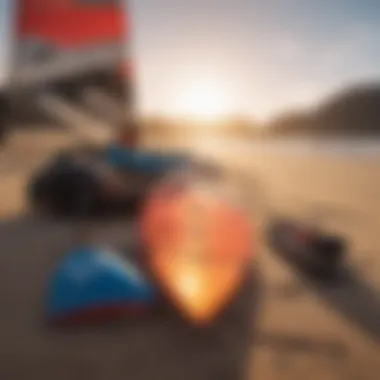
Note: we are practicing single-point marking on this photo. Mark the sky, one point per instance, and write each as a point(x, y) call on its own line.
point(250, 57)
point(266, 56)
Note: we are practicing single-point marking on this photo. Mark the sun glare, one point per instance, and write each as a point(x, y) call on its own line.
point(204, 101)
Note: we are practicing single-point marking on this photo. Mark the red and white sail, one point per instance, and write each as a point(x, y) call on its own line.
point(60, 39)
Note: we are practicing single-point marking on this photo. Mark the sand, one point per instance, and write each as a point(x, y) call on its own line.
point(302, 332)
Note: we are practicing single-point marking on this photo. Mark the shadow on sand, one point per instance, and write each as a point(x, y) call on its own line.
point(354, 299)
point(350, 295)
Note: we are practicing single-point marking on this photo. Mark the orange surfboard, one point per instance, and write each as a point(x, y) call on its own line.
point(197, 245)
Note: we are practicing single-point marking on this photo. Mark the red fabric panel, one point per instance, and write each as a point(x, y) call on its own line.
point(70, 25)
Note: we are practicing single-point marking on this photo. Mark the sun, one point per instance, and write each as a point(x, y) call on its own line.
point(204, 101)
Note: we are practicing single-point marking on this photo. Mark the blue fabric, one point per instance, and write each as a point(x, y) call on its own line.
point(150, 163)
point(89, 277)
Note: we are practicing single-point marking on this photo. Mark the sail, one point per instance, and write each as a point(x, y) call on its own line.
point(65, 39)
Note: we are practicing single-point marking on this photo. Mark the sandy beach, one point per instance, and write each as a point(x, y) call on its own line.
point(302, 332)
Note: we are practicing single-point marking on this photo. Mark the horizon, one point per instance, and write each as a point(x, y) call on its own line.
point(241, 118)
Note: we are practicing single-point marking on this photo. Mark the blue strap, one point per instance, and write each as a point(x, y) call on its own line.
point(129, 159)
